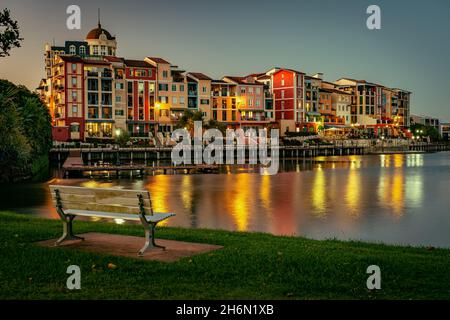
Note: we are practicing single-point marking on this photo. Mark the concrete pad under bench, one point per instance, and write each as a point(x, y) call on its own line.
point(128, 246)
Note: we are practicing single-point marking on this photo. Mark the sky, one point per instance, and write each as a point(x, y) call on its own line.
point(239, 37)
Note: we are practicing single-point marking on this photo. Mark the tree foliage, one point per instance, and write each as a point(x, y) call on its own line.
point(25, 130)
point(421, 130)
point(9, 33)
point(188, 118)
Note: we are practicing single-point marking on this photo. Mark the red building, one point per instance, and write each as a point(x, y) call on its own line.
point(288, 94)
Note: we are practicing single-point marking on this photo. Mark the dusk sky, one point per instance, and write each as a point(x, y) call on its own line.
point(238, 37)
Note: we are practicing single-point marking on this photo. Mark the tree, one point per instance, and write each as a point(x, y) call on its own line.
point(9, 33)
point(25, 133)
point(421, 130)
point(122, 137)
point(188, 118)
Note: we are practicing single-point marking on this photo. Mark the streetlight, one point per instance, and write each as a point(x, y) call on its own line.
point(118, 132)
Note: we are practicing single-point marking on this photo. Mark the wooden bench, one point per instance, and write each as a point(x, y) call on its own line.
point(134, 205)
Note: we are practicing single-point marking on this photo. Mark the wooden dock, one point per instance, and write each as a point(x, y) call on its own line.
point(75, 165)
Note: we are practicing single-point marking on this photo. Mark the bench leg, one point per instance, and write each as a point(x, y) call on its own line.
point(67, 231)
point(150, 240)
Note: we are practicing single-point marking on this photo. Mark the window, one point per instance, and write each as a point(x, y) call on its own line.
point(118, 99)
point(163, 99)
point(74, 95)
point(74, 67)
point(181, 100)
point(204, 89)
point(258, 103)
point(282, 94)
point(74, 109)
point(140, 73)
point(93, 98)
point(258, 90)
point(250, 90)
point(72, 49)
point(82, 50)
point(242, 90)
point(204, 101)
point(107, 113)
point(74, 127)
point(106, 99)
point(119, 112)
point(224, 115)
point(174, 100)
point(95, 50)
point(174, 87)
point(103, 50)
point(165, 74)
point(181, 87)
point(163, 87)
point(119, 85)
point(74, 81)
point(250, 102)
point(282, 82)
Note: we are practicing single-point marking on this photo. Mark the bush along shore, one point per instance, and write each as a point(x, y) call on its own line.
point(249, 266)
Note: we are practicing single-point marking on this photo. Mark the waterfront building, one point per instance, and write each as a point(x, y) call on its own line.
point(199, 91)
point(445, 130)
point(247, 104)
point(288, 88)
point(94, 94)
point(426, 121)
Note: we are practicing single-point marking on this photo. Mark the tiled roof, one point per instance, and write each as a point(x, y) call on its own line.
point(114, 59)
point(71, 59)
point(158, 60)
point(199, 76)
point(137, 63)
point(93, 61)
point(240, 80)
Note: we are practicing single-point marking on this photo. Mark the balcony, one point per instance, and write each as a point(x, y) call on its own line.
point(92, 74)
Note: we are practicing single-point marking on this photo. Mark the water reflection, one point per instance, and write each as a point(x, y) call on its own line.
point(382, 198)
point(319, 193)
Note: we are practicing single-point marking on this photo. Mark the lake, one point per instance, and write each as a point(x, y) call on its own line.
point(395, 199)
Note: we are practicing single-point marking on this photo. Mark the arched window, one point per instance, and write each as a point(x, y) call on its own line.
point(82, 50)
point(72, 49)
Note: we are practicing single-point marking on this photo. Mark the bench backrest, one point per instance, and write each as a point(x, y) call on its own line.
point(100, 199)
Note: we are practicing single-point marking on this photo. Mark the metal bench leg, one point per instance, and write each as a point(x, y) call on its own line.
point(150, 240)
point(67, 231)
point(149, 228)
point(67, 222)
point(153, 238)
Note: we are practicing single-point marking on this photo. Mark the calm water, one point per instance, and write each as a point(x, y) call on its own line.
point(403, 199)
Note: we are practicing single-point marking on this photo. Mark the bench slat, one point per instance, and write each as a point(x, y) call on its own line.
point(156, 217)
point(96, 198)
point(107, 192)
point(68, 205)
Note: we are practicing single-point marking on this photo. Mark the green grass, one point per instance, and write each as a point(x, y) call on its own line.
point(250, 266)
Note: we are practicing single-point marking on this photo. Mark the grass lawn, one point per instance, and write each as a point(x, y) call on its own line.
point(250, 266)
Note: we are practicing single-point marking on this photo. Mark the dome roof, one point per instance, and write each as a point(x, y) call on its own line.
point(95, 33)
